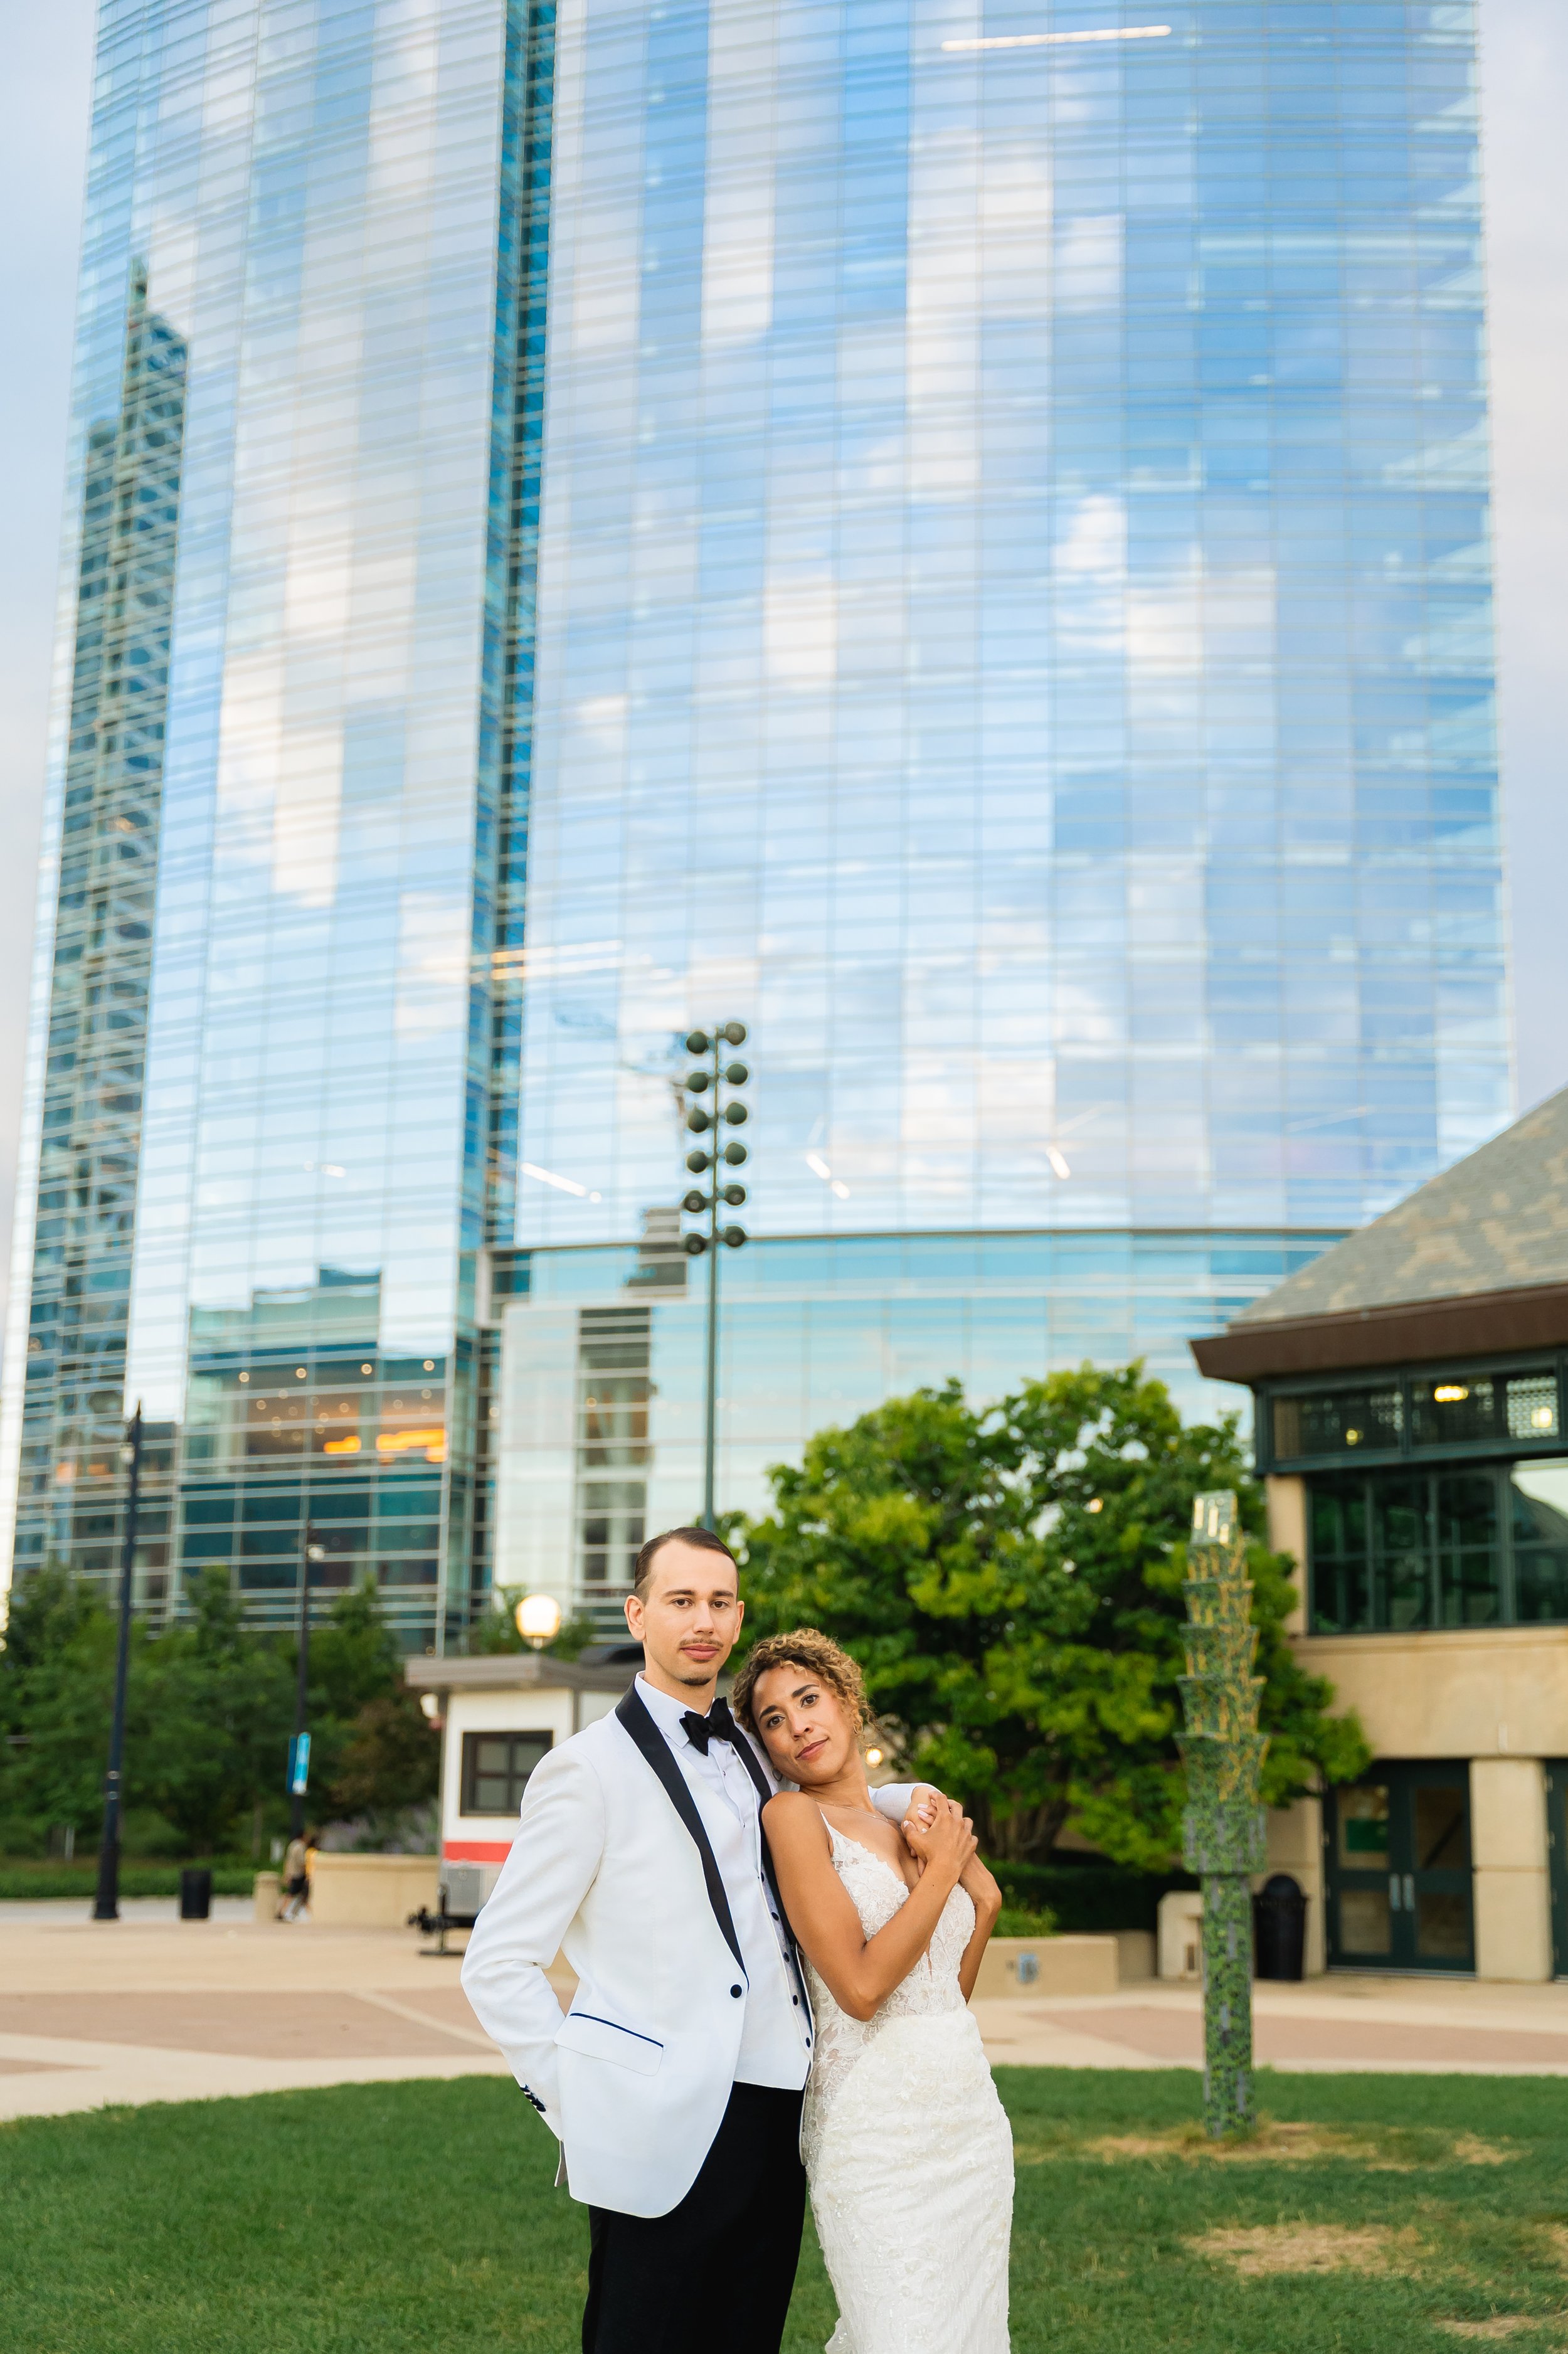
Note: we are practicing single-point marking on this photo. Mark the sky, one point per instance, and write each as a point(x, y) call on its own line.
point(49, 57)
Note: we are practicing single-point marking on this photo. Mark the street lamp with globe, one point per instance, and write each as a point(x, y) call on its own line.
point(538, 1619)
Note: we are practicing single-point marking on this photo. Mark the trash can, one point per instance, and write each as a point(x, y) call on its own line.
point(196, 1895)
point(1280, 1927)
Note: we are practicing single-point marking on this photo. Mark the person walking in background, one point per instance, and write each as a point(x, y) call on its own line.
point(296, 1878)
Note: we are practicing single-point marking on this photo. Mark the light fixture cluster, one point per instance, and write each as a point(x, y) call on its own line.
point(713, 1103)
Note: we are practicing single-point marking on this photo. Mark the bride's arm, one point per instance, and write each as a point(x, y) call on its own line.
point(987, 1900)
point(860, 1972)
point(983, 1894)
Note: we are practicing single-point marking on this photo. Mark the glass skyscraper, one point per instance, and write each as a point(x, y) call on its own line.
point(956, 538)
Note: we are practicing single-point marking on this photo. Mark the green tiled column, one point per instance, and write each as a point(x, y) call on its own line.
point(1222, 1826)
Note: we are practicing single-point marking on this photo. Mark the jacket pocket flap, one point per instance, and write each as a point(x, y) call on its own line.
point(601, 2039)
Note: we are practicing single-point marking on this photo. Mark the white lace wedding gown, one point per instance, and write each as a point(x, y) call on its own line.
point(907, 2150)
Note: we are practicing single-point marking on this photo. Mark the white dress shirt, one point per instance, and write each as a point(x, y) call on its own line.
point(776, 2043)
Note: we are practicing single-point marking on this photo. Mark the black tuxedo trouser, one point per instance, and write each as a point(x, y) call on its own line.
point(713, 2276)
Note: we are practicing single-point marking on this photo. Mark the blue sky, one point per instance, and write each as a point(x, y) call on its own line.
point(1525, 74)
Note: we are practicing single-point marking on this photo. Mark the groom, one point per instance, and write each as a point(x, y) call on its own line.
point(673, 2082)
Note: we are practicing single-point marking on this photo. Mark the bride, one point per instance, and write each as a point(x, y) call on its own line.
point(901, 2116)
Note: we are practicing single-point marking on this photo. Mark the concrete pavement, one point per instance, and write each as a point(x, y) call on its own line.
point(154, 2009)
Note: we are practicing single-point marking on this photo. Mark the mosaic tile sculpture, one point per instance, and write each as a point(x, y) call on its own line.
point(1222, 1826)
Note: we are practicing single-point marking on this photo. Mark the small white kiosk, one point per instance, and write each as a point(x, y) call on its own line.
point(499, 1713)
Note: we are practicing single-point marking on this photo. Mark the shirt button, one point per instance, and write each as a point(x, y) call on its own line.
point(736, 1991)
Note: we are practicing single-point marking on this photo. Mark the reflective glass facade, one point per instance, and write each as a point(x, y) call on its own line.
point(1013, 612)
point(322, 202)
point(957, 539)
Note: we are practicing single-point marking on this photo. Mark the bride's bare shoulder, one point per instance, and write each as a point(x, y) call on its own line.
point(795, 1822)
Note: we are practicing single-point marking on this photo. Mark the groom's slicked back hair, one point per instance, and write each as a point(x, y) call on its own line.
point(703, 1539)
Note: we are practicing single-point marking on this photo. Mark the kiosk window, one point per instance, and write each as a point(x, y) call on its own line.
point(495, 1769)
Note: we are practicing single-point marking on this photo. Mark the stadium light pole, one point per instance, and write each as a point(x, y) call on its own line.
point(106, 1904)
point(714, 1076)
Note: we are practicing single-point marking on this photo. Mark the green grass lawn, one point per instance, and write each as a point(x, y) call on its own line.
point(418, 2219)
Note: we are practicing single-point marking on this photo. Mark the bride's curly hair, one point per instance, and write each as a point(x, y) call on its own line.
point(807, 1648)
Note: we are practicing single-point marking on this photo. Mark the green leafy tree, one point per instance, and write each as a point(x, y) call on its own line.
point(376, 1753)
point(1009, 1580)
point(209, 1715)
point(57, 1683)
point(217, 1702)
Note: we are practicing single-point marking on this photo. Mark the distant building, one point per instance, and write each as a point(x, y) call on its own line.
point(1411, 1427)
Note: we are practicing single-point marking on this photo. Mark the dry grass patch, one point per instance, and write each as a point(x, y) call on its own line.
point(1309, 2248)
point(1378, 2149)
point(1469, 2149)
point(1496, 2325)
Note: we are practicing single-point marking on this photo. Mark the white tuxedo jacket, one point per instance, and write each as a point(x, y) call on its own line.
point(611, 1866)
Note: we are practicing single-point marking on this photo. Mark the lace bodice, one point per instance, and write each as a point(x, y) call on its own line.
point(932, 1985)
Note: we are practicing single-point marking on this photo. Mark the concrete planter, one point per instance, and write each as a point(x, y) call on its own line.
point(1049, 1965)
point(370, 1892)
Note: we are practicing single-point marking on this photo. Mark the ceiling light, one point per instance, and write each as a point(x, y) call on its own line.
point(548, 1177)
point(1055, 40)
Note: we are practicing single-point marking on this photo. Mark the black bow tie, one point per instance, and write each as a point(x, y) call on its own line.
point(717, 1725)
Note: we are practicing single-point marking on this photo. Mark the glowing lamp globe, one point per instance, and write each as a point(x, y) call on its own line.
point(538, 1619)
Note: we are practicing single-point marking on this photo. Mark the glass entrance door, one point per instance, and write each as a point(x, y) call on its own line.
point(1398, 1869)
point(1557, 1862)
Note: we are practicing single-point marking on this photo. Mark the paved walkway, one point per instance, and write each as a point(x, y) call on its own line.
point(150, 2007)
point(1415, 2026)
point(154, 2008)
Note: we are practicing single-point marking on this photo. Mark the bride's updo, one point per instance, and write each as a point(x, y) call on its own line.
point(805, 1647)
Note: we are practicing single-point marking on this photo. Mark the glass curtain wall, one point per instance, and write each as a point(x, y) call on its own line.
point(1013, 604)
point(322, 201)
point(957, 537)
point(71, 1380)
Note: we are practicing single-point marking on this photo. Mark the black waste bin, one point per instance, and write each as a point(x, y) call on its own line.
point(1280, 1927)
point(196, 1895)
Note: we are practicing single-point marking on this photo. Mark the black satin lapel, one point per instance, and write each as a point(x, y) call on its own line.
point(655, 1749)
point(765, 1791)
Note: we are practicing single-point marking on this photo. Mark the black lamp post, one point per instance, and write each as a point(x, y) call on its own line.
point(713, 1075)
point(298, 1755)
point(106, 1905)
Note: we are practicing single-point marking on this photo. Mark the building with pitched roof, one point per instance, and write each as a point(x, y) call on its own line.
point(1409, 1394)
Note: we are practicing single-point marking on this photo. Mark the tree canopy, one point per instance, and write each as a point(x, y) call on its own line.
point(1009, 1578)
point(210, 1712)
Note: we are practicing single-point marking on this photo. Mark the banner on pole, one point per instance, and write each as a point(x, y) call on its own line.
point(298, 1764)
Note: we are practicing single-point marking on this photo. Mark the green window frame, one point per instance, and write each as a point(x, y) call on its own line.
point(1415, 1415)
point(1406, 1549)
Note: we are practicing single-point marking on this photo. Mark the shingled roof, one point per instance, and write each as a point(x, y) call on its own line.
point(1475, 1259)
